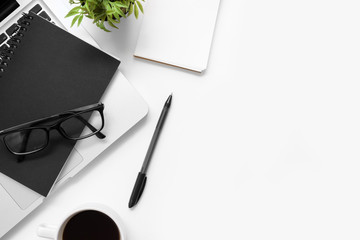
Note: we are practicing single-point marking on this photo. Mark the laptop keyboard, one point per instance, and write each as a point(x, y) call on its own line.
point(5, 37)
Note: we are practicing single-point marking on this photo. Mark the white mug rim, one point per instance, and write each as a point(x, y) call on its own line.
point(91, 206)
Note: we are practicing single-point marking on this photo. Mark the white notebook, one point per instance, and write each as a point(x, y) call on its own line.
point(178, 33)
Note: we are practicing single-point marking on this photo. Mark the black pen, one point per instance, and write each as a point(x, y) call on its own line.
point(141, 178)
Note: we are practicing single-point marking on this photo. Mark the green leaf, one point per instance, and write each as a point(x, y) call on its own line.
point(102, 26)
point(121, 5)
point(74, 20)
point(97, 18)
point(111, 23)
point(131, 9)
point(87, 6)
point(76, 8)
point(91, 15)
point(73, 11)
point(80, 19)
point(119, 11)
point(136, 12)
point(117, 17)
point(140, 6)
point(71, 14)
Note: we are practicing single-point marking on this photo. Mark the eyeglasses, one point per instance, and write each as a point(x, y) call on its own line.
point(77, 124)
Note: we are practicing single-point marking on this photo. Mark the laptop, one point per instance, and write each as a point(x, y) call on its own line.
point(124, 107)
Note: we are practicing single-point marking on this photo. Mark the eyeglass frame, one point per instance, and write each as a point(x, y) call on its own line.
point(57, 126)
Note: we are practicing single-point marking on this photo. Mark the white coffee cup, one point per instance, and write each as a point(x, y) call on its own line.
point(56, 232)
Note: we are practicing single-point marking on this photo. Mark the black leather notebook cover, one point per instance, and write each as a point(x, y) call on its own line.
point(51, 71)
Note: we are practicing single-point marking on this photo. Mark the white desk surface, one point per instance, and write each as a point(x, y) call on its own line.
point(264, 145)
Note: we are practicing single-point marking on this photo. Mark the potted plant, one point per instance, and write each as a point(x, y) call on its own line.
point(101, 11)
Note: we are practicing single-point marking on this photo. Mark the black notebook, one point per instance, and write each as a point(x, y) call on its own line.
point(49, 71)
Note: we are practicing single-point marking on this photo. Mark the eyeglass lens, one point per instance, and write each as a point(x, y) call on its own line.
point(26, 141)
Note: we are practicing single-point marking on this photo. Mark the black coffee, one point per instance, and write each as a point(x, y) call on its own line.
point(91, 225)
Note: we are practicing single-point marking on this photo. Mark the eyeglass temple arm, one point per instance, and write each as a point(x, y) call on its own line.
point(91, 127)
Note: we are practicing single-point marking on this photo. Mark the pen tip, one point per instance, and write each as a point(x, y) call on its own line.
point(168, 101)
point(132, 202)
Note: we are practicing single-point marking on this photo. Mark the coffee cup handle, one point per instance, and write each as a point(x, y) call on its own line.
point(47, 231)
